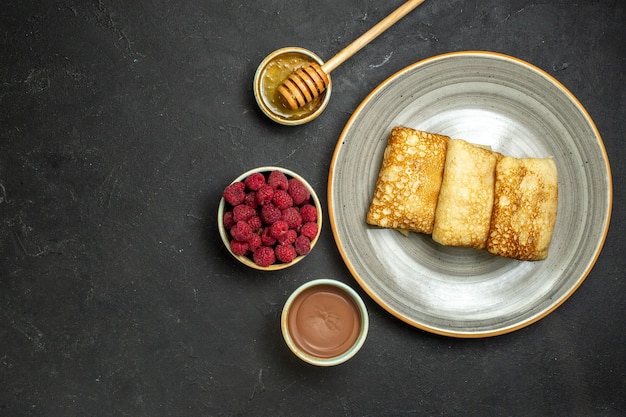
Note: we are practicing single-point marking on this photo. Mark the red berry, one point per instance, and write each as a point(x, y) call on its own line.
point(302, 245)
point(298, 192)
point(228, 220)
point(292, 217)
point(241, 231)
point(278, 229)
point(309, 230)
point(308, 213)
point(282, 199)
point(243, 213)
point(278, 180)
point(255, 223)
point(254, 181)
point(266, 238)
point(288, 238)
point(239, 248)
point(285, 253)
point(234, 194)
point(264, 256)
point(264, 195)
point(255, 242)
point(270, 214)
point(250, 200)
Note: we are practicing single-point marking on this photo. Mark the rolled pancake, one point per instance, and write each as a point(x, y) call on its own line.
point(525, 206)
point(466, 198)
point(407, 188)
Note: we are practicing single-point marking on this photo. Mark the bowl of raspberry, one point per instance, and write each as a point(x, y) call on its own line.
point(269, 218)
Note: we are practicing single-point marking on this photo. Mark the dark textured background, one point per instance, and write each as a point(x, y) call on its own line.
point(121, 122)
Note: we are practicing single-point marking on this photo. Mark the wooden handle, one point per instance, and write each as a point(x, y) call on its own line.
point(370, 35)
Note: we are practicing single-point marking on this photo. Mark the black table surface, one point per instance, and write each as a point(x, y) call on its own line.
point(120, 124)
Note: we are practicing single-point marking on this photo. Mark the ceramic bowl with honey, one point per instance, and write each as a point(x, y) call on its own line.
point(271, 73)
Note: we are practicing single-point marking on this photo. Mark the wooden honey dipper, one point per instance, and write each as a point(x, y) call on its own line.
point(307, 83)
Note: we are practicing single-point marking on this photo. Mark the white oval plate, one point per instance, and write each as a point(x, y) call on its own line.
point(518, 110)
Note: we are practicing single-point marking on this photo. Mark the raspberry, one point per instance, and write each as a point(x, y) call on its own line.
point(255, 223)
point(309, 229)
point(264, 256)
point(228, 220)
point(292, 217)
point(288, 238)
point(242, 213)
point(302, 245)
point(298, 192)
point(308, 213)
point(239, 248)
point(254, 181)
point(264, 195)
point(278, 229)
point(282, 199)
point(270, 214)
point(241, 231)
point(278, 180)
point(285, 253)
point(234, 194)
point(266, 238)
point(250, 200)
point(254, 243)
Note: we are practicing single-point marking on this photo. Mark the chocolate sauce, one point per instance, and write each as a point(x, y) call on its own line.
point(324, 321)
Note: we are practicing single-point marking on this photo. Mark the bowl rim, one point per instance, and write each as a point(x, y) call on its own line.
point(336, 360)
point(245, 259)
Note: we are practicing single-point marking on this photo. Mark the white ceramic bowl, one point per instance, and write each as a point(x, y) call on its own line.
point(267, 79)
point(294, 312)
point(224, 207)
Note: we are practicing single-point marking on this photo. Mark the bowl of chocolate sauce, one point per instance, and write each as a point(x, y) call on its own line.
point(324, 322)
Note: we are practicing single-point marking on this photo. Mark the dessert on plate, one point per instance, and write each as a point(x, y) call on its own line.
point(464, 194)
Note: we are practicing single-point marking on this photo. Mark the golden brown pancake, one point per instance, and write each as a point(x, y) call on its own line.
point(524, 210)
point(407, 188)
point(465, 195)
point(466, 198)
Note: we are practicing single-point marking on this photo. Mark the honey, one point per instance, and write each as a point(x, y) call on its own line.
point(274, 73)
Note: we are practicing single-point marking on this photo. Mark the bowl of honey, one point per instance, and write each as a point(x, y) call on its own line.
point(271, 73)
